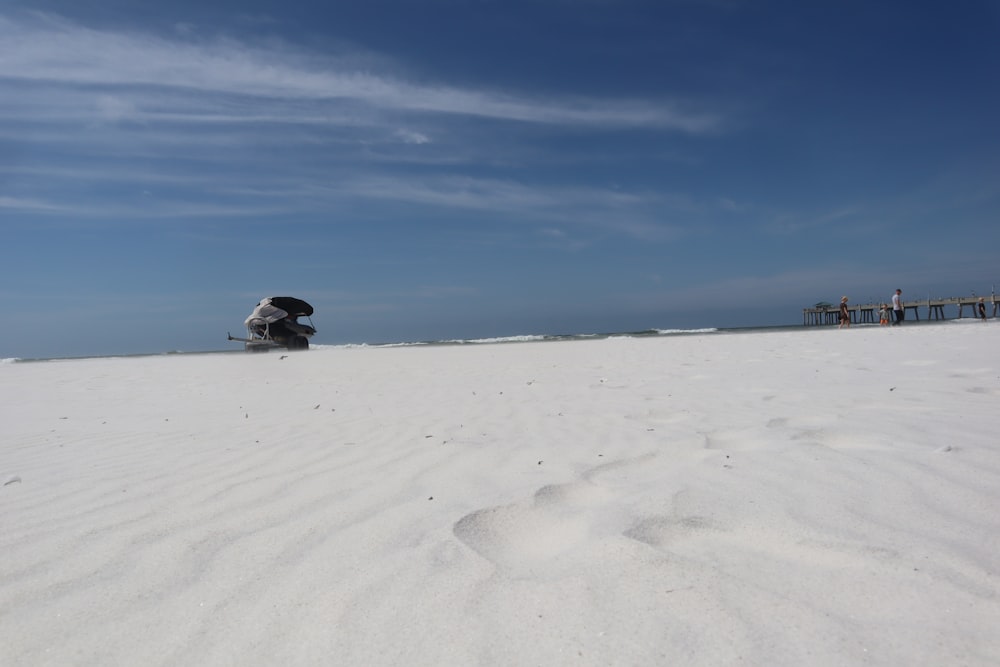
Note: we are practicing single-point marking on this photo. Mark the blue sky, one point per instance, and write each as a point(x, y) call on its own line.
point(459, 169)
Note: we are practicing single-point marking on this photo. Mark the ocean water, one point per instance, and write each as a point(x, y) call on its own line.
point(529, 338)
point(646, 333)
point(536, 338)
point(500, 340)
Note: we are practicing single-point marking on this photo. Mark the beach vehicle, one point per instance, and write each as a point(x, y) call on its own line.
point(274, 322)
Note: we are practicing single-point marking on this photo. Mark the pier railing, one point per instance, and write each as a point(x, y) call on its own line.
point(868, 313)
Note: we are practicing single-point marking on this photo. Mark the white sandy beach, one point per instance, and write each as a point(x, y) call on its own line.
point(795, 498)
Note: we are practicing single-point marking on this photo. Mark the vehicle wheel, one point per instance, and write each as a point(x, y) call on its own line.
point(298, 343)
point(256, 348)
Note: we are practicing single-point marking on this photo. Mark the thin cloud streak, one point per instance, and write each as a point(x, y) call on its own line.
point(30, 205)
point(155, 210)
point(489, 194)
point(51, 50)
point(646, 216)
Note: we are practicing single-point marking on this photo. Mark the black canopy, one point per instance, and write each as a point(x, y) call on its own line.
point(292, 306)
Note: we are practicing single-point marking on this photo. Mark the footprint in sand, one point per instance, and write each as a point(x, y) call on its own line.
point(558, 518)
point(514, 535)
point(659, 531)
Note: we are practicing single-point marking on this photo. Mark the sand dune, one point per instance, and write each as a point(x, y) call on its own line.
point(815, 497)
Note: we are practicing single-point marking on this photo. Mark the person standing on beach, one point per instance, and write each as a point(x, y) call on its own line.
point(981, 307)
point(845, 315)
point(897, 307)
point(883, 315)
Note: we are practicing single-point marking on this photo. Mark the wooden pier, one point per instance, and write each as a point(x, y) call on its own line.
point(868, 313)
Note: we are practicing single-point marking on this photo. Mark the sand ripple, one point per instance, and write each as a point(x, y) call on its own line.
point(820, 498)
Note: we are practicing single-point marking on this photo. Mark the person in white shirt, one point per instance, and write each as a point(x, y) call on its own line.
point(897, 307)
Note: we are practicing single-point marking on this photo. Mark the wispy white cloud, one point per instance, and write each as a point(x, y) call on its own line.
point(179, 117)
point(805, 222)
point(411, 137)
point(50, 50)
point(488, 194)
point(642, 215)
point(153, 209)
point(32, 205)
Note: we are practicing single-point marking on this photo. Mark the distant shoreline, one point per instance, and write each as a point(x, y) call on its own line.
point(505, 340)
